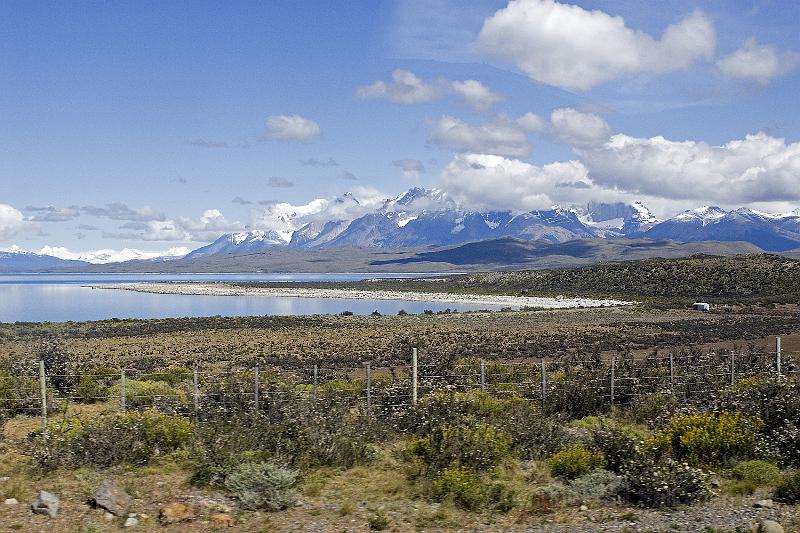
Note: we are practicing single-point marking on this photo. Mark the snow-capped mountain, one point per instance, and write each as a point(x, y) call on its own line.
point(16, 260)
point(773, 232)
point(429, 217)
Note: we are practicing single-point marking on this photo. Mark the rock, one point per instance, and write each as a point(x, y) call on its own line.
point(770, 526)
point(764, 504)
point(223, 519)
point(584, 508)
point(131, 521)
point(175, 512)
point(108, 517)
point(112, 498)
point(4, 478)
point(46, 503)
point(11, 501)
point(214, 506)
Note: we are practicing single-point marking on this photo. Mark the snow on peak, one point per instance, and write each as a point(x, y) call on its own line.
point(108, 255)
point(706, 215)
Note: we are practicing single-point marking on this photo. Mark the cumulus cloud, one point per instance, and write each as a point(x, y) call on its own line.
point(12, 221)
point(570, 47)
point(578, 129)
point(292, 128)
point(210, 225)
point(411, 168)
point(758, 168)
point(404, 88)
point(278, 182)
point(475, 94)
point(531, 122)
point(492, 182)
point(52, 214)
point(120, 211)
point(501, 136)
point(407, 88)
point(758, 62)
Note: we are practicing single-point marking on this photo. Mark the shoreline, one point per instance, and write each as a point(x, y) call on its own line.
point(221, 289)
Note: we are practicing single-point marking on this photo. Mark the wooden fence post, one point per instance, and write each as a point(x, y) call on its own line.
point(122, 391)
point(543, 382)
point(196, 388)
point(256, 388)
point(368, 370)
point(733, 369)
point(613, 369)
point(316, 382)
point(778, 355)
point(671, 373)
point(43, 393)
point(483, 375)
point(414, 376)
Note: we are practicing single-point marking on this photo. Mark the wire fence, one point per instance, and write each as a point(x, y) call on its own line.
point(688, 377)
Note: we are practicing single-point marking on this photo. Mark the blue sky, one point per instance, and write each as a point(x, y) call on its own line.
point(137, 124)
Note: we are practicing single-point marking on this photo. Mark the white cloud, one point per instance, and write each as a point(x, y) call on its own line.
point(502, 136)
point(567, 46)
point(531, 122)
point(578, 129)
point(209, 226)
point(411, 167)
point(120, 211)
point(758, 168)
point(492, 182)
point(404, 88)
point(757, 62)
point(407, 88)
point(477, 95)
point(292, 128)
point(108, 255)
point(12, 221)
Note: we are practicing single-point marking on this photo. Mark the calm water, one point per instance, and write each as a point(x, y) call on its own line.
point(61, 298)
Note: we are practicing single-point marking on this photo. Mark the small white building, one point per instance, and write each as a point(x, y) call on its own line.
point(701, 306)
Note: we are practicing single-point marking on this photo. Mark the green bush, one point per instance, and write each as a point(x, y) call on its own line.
point(109, 440)
point(467, 490)
point(756, 471)
point(477, 447)
point(262, 485)
point(94, 384)
point(173, 375)
point(461, 486)
point(617, 445)
point(663, 484)
point(788, 490)
point(157, 394)
point(596, 486)
point(575, 462)
point(712, 439)
point(18, 394)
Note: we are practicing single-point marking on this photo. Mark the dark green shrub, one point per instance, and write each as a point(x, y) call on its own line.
point(461, 486)
point(663, 484)
point(788, 490)
point(477, 447)
point(156, 394)
point(94, 384)
point(617, 445)
point(378, 521)
point(756, 471)
point(173, 375)
point(575, 462)
point(18, 395)
point(108, 440)
point(713, 439)
point(262, 485)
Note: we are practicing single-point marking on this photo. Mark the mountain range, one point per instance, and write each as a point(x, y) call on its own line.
point(429, 217)
point(428, 220)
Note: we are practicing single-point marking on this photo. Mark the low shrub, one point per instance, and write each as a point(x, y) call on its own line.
point(18, 394)
point(575, 462)
point(596, 486)
point(156, 394)
point(756, 471)
point(172, 376)
point(788, 489)
point(477, 447)
point(663, 484)
point(262, 485)
point(786, 443)
point(467, 490)
point(617, 445)
point(95, 383)
point(108, 440)
point(712, 439)
point(461, 486)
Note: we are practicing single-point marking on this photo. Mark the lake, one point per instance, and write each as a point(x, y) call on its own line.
point(63, 297)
